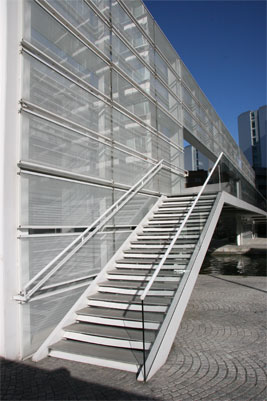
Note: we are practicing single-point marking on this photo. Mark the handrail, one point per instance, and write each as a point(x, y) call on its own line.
point(88, 233)
point(151, 281)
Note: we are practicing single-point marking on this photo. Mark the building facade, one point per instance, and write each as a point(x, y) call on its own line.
point(252, 133)
point(93, 96)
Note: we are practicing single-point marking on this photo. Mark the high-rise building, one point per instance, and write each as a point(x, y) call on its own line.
point(252, 132)
point(96, 105)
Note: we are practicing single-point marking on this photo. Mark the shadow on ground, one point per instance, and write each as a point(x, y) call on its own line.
point(22, 382)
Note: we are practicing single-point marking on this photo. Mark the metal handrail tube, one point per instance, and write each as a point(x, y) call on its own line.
point(151, 281)
point(92, 230)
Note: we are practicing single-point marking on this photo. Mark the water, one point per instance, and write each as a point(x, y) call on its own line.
point(238, 265)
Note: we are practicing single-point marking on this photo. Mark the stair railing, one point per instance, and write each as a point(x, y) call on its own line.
point(165, 256)
point(52, 267)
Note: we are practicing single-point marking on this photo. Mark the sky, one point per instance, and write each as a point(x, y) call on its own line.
point(223, 44)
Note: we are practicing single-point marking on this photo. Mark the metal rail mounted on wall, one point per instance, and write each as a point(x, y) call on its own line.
point(52, 267)
point(164, 257)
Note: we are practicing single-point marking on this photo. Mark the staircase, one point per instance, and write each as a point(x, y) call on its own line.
point(109, 330)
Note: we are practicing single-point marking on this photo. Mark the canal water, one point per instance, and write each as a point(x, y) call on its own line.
point(243, 265)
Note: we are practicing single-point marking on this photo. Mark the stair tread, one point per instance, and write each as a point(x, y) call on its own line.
point(130, 299)
point(138, 284)
point(142, 272)
point(121, 314)
point(135, 261)
point(124, 355)
point(102, 330)
point(157, 251)
point(138, 245)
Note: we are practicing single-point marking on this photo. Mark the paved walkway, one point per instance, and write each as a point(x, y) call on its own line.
point(219, 354)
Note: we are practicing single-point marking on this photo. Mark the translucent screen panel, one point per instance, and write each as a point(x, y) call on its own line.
point(128, 169)
point(47, 201)
point(103, 6)
point(167, 75)
point(134, 211)
point(58, 43)
point(37, 252)
point(189, 121)
point(188, 100)
point(51, 91)
point(49, 144)
point(143, 17)
point(166, 48)
point(132, 66)
point(84, 19)
point(169, 128)
point(131, 33)
point(166, 100)
point(189, 80)
point(88, 260)
point(133, 100)
point(204, 137)
point(40, 317)
point(131, 133)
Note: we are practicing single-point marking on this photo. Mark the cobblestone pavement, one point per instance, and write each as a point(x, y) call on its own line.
point(219, 354)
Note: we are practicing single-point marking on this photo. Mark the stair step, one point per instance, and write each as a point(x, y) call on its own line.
point(166, 230)
point(130, 299)
point(157, 237)
point(173, 223)
point(139, 277)
point(182, 208)
point(108, 335)
point(142, 272)
point(156, 257)
point(138, 285)
point(120, 317)
point(162, 242)
point(133, 291)
point(158, 252)
point(125, 306)
point(100, 355)
point(186, 203)
point(181, 214)
point(137, 245)
point(129, 265)
point(190, 197)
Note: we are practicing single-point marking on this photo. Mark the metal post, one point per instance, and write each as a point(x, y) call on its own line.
point(144, 348)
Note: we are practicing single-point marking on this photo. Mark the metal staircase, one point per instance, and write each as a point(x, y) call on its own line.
point(116, 329)
point(127, 318)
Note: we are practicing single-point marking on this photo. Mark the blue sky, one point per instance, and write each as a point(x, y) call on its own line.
point(223, 44)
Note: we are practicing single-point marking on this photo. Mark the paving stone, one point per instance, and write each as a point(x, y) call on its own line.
point(219, 354)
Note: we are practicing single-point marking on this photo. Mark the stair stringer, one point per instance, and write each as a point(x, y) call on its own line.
point(82, 301)
point(162, 345)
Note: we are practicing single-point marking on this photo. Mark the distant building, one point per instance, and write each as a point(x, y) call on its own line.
point(194, 160)
point(252, 132)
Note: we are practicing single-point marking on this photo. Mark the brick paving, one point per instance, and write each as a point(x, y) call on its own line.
point(219, 354)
